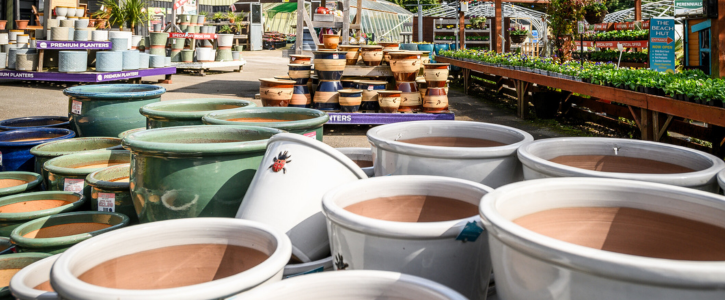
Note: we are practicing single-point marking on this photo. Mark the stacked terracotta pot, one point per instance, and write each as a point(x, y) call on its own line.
point(300, 74)
point(436, 93)
point(405, 66)
point(329, 66)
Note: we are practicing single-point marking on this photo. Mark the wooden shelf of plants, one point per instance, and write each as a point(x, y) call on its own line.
point(477, 32)
point(238, 24)
point(603, 38)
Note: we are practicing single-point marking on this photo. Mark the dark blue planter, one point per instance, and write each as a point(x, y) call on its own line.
point(367, 86)
point(328, 87)
point(350, 83)
point(300, 91)
point(294, 69)
point(16, 155)
point(34, 122)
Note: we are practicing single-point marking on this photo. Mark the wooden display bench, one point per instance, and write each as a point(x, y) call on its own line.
point(202, 67)
point(361, 70)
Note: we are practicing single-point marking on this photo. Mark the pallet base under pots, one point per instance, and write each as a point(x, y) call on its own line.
point(86, 76)
point(205, 66)
point(364, 118)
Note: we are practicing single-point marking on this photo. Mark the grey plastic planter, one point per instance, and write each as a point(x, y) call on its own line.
point(536, 158)
point(188, 111)
point(491, 166)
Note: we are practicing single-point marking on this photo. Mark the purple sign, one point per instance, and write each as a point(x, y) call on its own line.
point(72, 45)
point(383, 118)
point(86, 76)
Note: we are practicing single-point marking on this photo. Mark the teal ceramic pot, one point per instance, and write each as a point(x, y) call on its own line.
point(109, 109)
point(194, 171)
point(48, 151)
point(188, 111)
point(427, 47)
point(127, 132)
point(55, 234)
point(69, 172)
point(409, 47)
point(17, 261)
point(19, 182)
point(111, 192)
point(20, 208)
point(304, 121)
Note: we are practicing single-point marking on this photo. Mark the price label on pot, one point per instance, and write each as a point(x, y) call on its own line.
point(470, 232)
point(335, 56)
point(76, 107)
point(312, 135)
point(73, 185)
point(1, 158)
point(370, 87)
point(107, 202)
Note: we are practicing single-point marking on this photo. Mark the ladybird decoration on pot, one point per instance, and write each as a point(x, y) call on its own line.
point(279, 162)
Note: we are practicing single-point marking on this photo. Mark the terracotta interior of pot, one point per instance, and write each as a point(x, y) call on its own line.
point(450, 134)
point(65, 230)
point(34, 205)
point(269, 117)
point(173, 266)
point(194, 107)
point(445, 141)
point(9, 182)
point(119, 173)
point(45, 286)
point(620, 164)
point(414, 208)
point(98, 164)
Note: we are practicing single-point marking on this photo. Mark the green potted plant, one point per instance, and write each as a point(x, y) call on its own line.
point(478, 22)
point(231, 16)
point(111, 12)
point(595, 11)
point(518, 35)
point(218, 16)
point(225, 29)
point(135, 13)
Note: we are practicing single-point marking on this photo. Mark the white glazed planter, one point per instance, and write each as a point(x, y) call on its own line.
point(536, 160)
point(428, 249)
point(721, 180)
point(225, 40)
point(92, 252)
point(295, 209)
point(354, 285)
point(24, 282)
point(360, 153)
point(531, 266)
point(491, 166)
point(99, 35)
point(321, 265)
point(205, 54)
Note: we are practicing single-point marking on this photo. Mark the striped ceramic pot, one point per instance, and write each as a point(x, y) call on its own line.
point(300, 73)
point(435, 100)
point(326, 96)
point(301, 97)
point(352, 54)
point(331, 41)
point(350, 100)
point(391, 46)
point(329, 65)
point(371, 55)
point(300, 59)
point(441, 84)
point(350, 83)
point(436, 71)
point(275, 92)
point(389, 101)
point(370, 94)
point(425, 59)
point(410, 100)
point(422, 86)
point(405, 65)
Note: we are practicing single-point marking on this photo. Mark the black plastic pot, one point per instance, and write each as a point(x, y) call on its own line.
point(546, 104)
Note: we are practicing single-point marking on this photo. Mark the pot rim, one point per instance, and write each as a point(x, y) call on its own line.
point(65, 134)
point(372, 47)
point(122, 135)
point(20, 175)
point(133, 144)
point(5, 291)
point(448, 152)
point(300, 55)
point(374, 82)
point(721, 179)
point(18, 285)
point(436, 64)
point(319, 118)
point(403, 230)
point(618, 266)
point(39, 151)
point(348, 46)
point(155, 110)
point(275, 80)
point(350, 91)
point(68, 284)
point(93, 181)
point(531, 160)
point(53, 167)
point(423, 287)
point(389, 92)
point(19, 239)
point(25, 216)
point(65, 122)
point(295, 269)
point(149, 91)
point(322, 147)
point(300, 65)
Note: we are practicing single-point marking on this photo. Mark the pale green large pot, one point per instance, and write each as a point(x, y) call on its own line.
point(17, 261)
point(111, 191)
point(187, 111)
point(48, 151)
point(51, 203)
point(304, 121)
point(32, 182)
point(194, 171)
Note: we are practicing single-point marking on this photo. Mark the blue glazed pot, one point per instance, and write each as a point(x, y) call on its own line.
point(130, 60)
point(34, 122)
point(329, 65)
point(370, 94)
point(119, 44)
point(350, 83)
point(299, 73)
point(350, 100)
point(109, 109)
point(326, 96)
point(409, 47)
point(143, 61)
point(301, 97)
point(440, 47)
point(109, 61)
point(425, 47)
point(16, 154)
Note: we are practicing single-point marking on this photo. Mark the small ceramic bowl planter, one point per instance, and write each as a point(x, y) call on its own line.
point(318, 266)
point(55, 234)
point(33, 122)
point(304, 121)
point(19, 182)
point(188, 111)
point(370, 90)
point(111, 191)
point(293, 160)
point(486, 153)
point(633, 238)
point(371, 55)
point(33, 281)
point(352, 54)
point(48, 151)
point(354, 285)
point(362, 157)
point(390, 46)
point(300, 59)
point(423, 226)
point(153, 268)
point(275, 92)
point(18, 209)
point(389, 101)
point(350, 100)
point(621, 158)
point(436, 71)
point(15, 146)
point(194, 171)
point(11, 264)
point(331, 41)
point(109, 109)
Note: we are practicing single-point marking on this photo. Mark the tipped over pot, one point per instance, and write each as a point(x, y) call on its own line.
point(304, 121)
point(18, 209)
point(187, 111)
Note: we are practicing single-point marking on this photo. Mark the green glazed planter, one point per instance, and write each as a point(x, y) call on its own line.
point(304, 121)
point(188, 111)
point(115, 196)
point(63, 174)
point(55, 245)
point(194, 171)
point(48, 151)
point(17, 261)
point(109, 109)
point(8, 221)
point(127, 132)
point(32, 180)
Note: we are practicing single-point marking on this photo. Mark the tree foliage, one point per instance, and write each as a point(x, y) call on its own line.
point(413, 4)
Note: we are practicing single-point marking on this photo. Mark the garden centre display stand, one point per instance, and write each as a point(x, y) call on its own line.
point(338, 118)
point(89, 76)
point(205, 66)
point(67, 45)
point(361, 70)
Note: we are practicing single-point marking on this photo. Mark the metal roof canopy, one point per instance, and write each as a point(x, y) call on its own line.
point(536, 18)
point(650, 9)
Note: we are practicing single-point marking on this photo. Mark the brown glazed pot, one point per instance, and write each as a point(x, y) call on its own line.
point(300, 59)
point(353, 54)
point(390, 46)
point(372, 55)
point(389, 101)
point(331, 41)
point(275, 92)
point(435, 100)
point(436, 71)
point(405, 65)
point(410, 100)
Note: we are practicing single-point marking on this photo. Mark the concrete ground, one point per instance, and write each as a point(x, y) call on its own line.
point(20, 99)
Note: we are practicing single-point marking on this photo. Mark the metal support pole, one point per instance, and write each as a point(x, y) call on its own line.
point(420, 22)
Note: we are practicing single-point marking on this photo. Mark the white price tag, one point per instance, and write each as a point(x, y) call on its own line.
point(173, 41)
point(335, 56)
point(73, 185)
point(370, 87)
point(107, 202)
point(293, 58)
point(76, 107)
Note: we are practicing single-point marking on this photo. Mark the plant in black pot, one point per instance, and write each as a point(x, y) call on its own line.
point(595, 11)
point(218, 17)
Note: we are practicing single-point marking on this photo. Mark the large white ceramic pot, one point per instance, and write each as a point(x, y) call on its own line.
point(205, 54)
point(33, 281)
point(354, 285)
point(476, 151)
point(721, 180)
point(620, 158)
point(597, 238)
point(306, 168)
point(200, 258)
point(297, 269)
point(362, 157)
point(425, 226)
